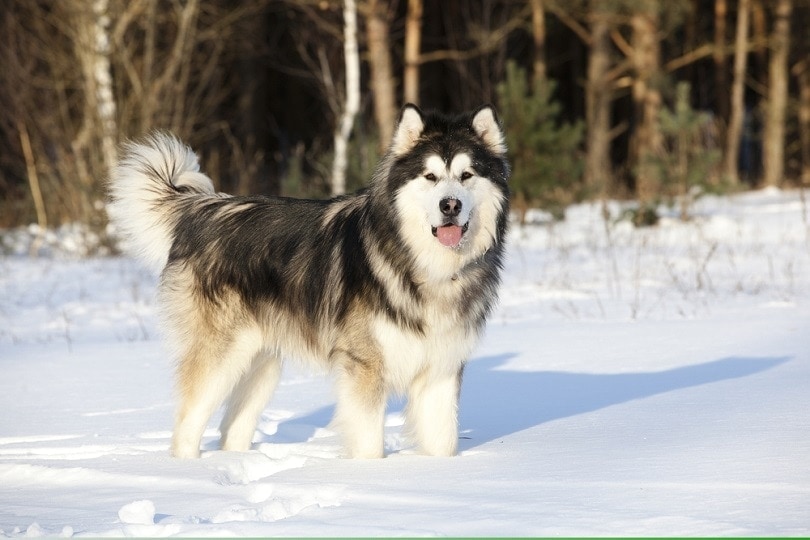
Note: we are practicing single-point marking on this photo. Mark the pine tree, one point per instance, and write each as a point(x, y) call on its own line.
point(544, 151)
point(688, 161)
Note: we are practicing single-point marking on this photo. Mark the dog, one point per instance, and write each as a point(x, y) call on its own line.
point(389, 287)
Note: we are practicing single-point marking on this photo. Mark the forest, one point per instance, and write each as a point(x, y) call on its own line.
point(655, 101)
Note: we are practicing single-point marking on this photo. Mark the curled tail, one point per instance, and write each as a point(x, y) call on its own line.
point(147, 186)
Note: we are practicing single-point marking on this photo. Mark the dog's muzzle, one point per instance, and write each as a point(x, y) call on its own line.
point(450, 233)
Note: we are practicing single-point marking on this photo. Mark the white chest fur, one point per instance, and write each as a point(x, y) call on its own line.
point(439, 350)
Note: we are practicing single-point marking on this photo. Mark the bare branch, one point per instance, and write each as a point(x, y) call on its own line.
point(574, 25)
point(622, 44)
point(33, 177)
point(488, 41)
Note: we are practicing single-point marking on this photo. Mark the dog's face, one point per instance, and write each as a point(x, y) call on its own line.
point(449, 182)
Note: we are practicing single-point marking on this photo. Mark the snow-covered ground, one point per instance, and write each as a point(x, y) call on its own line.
point(632, 382)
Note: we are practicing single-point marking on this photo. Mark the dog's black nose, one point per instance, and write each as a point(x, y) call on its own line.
point(450, 207)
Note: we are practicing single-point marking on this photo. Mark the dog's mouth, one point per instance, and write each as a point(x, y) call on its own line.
point(450, 234)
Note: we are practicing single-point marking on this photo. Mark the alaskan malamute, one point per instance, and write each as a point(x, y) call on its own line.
point(389, 287)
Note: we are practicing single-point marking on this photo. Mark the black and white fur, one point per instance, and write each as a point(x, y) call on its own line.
point(389, 287)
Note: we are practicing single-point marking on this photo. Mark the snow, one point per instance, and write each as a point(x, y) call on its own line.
point(138, 512)
point(631, 382)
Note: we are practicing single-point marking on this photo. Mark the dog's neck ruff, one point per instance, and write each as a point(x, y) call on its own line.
point(475, 262)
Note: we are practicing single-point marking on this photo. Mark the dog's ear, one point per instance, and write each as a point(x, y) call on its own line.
point(409, 128)
point(485, 124)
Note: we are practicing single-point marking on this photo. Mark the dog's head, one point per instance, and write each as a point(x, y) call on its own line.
point(448, 179)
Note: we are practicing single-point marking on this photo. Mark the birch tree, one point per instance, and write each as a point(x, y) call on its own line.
point(92, 48)
point(352, 104)
point(103, 82)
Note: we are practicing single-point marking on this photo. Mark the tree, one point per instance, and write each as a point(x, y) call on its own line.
point(179, 70)
point(352, 105)
point(258, 88)
point(687, 160)
point(773, 142)
point(646, 60)
point(56, 92)
point(543, 150)
point(413, 43)
point(93, 48)
point(474, 37)
point(382, 75)
point(539, 38)
point(802, 71)
point(719, 57)
point(598, 98)
point(735, 123)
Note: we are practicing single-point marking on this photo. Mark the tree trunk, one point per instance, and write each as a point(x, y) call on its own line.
point(735, 123)
point(647, 99)
point(802, 71)
point(720, 73)
point(93, 51)
point(33, 178)
point(148, 104)
point(539, 34)
point(94, 144)
point(773, 140)
point(104, 90)
point(413, 46)
point(344, 128)
point(382, 78)
point(759, 36)
point(597, 107)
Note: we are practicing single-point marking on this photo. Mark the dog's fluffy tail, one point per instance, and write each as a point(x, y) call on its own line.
point(147, 187)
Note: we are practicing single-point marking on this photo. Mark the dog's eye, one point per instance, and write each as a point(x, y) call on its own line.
point(431, 177)
point(465, 175)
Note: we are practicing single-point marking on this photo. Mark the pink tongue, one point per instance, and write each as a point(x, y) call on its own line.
point(449, 235)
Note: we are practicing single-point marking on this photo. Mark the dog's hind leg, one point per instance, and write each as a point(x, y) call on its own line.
point(432, 412)
point(247, 401)
point(208, 372)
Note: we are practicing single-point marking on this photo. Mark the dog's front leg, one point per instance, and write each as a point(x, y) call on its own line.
point(360, 412)
point(432, 411)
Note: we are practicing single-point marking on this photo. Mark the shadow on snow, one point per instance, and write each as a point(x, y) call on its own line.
point(496, 402)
